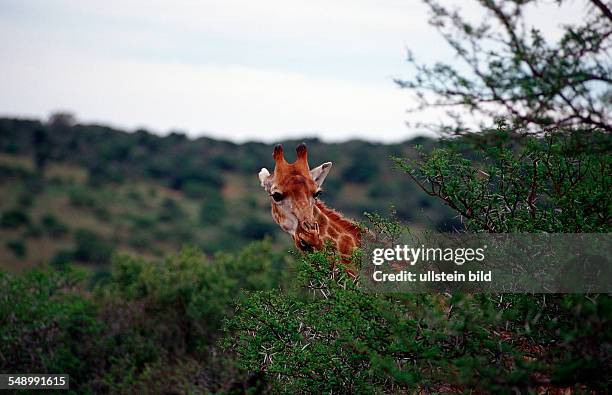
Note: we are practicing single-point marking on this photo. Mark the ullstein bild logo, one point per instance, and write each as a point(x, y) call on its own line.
point(431, 276)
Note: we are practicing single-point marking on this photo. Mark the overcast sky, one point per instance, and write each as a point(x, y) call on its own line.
point(232, 69)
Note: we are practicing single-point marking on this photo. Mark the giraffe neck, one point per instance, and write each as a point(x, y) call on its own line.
point(342, 233)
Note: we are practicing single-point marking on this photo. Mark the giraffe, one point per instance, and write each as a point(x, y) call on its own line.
point(294, 191)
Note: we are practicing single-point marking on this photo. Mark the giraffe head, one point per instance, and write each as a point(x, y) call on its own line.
point(293, 190)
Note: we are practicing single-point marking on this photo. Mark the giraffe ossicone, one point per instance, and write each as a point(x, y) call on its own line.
point(294, 191)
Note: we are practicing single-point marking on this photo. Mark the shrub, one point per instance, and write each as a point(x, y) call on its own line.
point(170, 211)
point(362, 170)
point(14, 218)
point(102, 172)
point(338, 338)
point(102, 213)
point(196, 189)
point(194, 173)
point(556, 183)
point(81, 198)
point(147, 327)
point(254, 228)
point(144, 222)
point(201, 290)
point(53, 226)
point(18, 248)
point(33, 230)
point(135, 195)
point(213, 208)
point(62, 259)
point(25, 199)
point(172, 311)
point(140, 241)
point(91, 248)
point(46, 327)
point(14, 171)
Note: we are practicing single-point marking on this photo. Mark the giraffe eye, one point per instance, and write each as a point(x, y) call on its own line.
point(316, 194)
point(277, 196)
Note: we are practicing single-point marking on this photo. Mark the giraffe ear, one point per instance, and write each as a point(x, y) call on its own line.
point(264, 179)
point(319, 173)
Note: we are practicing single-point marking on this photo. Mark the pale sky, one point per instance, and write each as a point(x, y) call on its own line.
point(232, 69)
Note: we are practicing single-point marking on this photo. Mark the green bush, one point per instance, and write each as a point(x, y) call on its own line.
point(46, 327)
point(338, 338)
point(104, 171)
point(144, 222)
point(213, 208)
point(362, 170)
point(135, 196)
point(53, 226)
point(18, 248)
point(102, 213)
point(10, 171)
point(80, 197)
point(195, 189)
point(62, 259)
point(140, 241)
point(170, 211)
point(254, 228)
point(186, 298)
point(556, 183)
point(14, 218)
point(33, 231)
point(91, 248)
point(25, 199)
point(147, 327)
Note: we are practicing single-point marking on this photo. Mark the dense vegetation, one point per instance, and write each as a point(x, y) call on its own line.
point(537, 160)
point(150, 327)
point(227, 316)
point(340, 338)
point(81, 192)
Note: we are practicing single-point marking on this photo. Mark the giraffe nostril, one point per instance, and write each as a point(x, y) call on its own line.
point(310, 227)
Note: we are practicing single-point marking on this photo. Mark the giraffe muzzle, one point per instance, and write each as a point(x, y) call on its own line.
point(310, 227)
point(308, 236)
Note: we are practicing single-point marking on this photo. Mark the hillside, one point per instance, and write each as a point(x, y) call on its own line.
point(81, 193)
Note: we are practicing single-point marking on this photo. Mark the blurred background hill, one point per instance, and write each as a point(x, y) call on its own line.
point(80, 193)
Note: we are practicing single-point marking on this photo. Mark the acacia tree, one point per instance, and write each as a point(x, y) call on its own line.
point(511, 70)
point(546, 166)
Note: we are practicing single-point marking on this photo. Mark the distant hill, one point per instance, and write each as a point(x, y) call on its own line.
point(75, 192)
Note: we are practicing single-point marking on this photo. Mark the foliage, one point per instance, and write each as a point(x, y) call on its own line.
point(8, 172)
point(18, 247)
point(91, 248)
point(53, 226)
point(364, 167)
point(546, 170)
point(147, 327)
point(44, 325)
point(149, 318)
point(337, 338)
point(80, 197)
point(509, 69)
point(255, 228)
point(42, 149)
point(14, 218)
point(558, 183)
point(213, 208)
